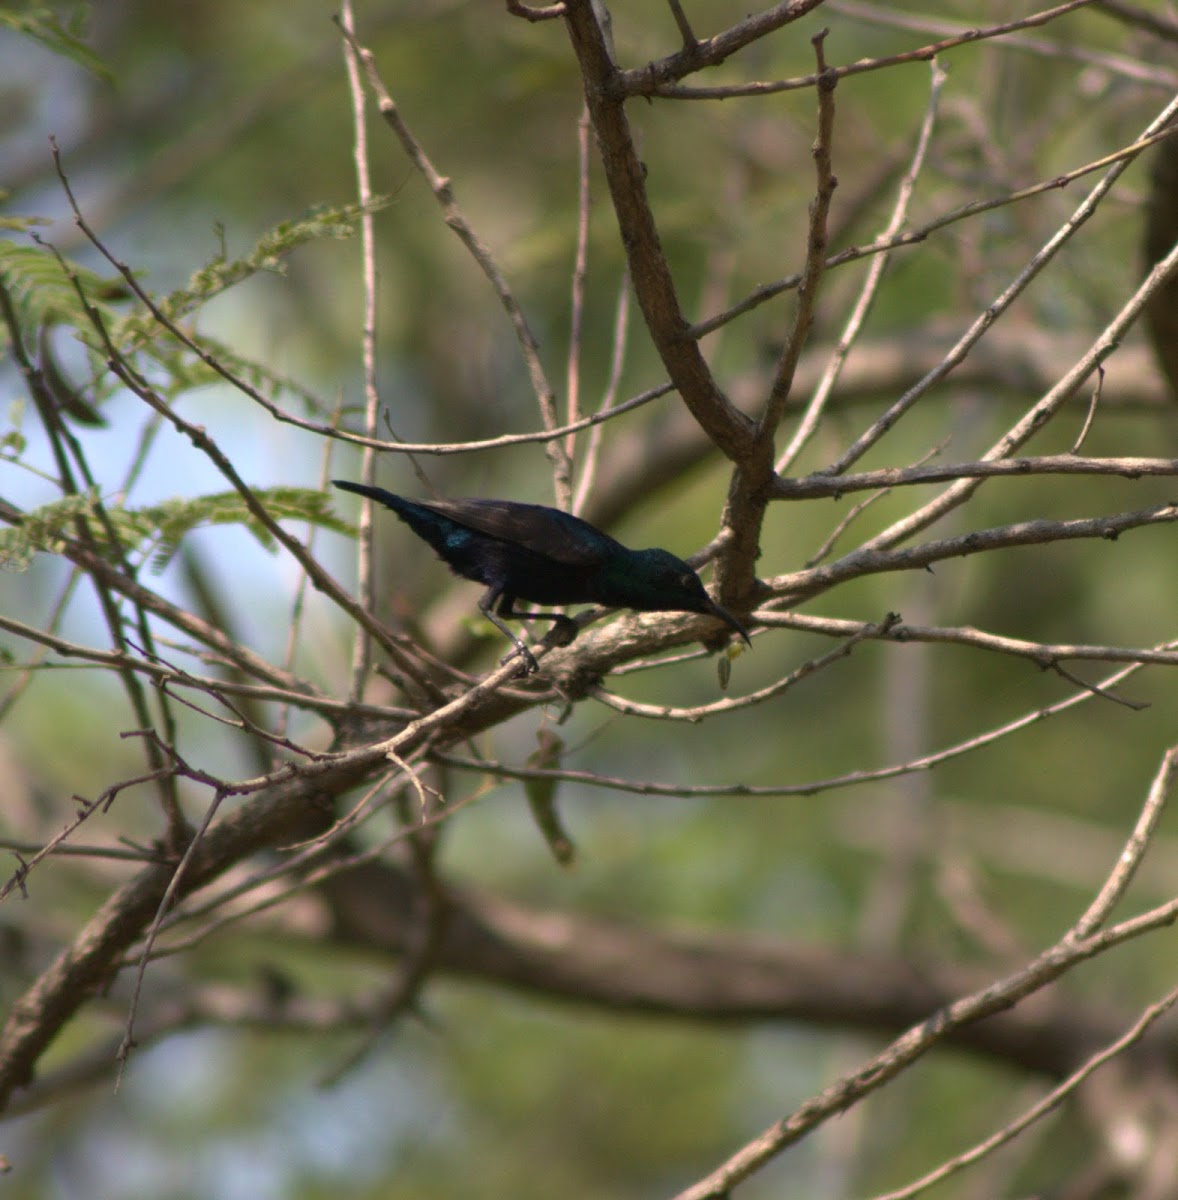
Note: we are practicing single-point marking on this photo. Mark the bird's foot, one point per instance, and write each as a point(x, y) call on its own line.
point(563, 632)
point(521, 652)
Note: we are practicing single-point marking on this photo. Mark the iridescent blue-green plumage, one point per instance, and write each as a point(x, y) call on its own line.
point(531, 552)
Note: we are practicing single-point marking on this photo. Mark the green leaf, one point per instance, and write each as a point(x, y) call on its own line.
point(45, 295)
point(160, 528)
point(21, 224)
point(175, 518)
point(13, 441)
point(42, 529)
point(42, 26)
point(326, 221)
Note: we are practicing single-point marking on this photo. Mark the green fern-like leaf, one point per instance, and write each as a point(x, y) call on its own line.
point(158, 529)
point(43, 529)
point(44, 295)
point(326, 221)
point(175, 518)
point(16, 224)
point(41, 25)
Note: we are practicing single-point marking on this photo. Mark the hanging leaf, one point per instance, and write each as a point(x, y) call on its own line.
point(541, 794)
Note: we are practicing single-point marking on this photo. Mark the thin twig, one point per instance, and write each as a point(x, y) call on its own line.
point(668, 712)
point(816, 486)
point(457, 222)
point(1038, 415)
point(534, 12)
point(365, 560)
point(577, 289)
point(921, 234)
point(913, 1045)
point(128, 1042)
point(815, 787)
point(1002, 303)
point(1130, 858)
point(816, 241)
point(649, 80)
point(158, 673)
point(708, 52)
point(399, 648)
point(1040, 1108)
point(619, 342)
point(854, 324)
point(869, 560)
point(1093, 402)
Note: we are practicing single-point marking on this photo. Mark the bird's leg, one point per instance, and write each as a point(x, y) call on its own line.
point(564, 629)
point(487, 608)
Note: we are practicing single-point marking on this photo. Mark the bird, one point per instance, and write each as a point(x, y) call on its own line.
point(546, 556)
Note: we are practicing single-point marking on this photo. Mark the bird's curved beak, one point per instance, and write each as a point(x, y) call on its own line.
point(728, 619)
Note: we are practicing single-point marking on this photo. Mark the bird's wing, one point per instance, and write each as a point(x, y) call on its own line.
point(548, 531)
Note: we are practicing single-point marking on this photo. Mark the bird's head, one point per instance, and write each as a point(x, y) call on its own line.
point(658, 581)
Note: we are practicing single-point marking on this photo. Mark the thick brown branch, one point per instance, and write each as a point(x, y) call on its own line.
point(710, 977)
point(654, 287)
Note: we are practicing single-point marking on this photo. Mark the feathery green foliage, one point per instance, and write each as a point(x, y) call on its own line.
point(46, 28)
point(222, 273)
point(157, 530)
point(45, 295)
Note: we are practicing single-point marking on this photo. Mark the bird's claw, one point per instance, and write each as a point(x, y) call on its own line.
point(563, 632)
point(522, 652)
